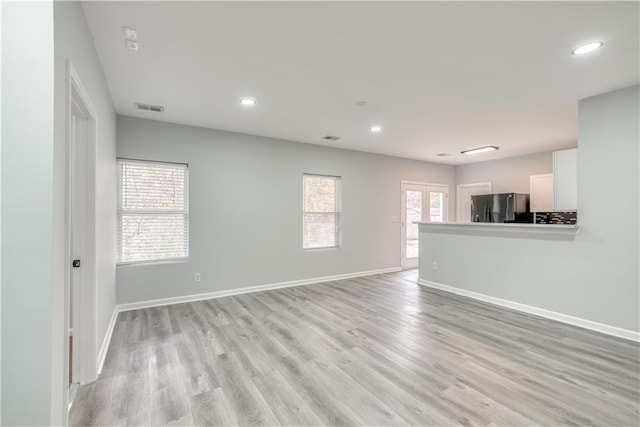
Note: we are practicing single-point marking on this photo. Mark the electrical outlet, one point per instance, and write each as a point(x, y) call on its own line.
point(435, 265)
point(196, 277)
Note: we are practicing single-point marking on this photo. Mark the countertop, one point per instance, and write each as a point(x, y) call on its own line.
point(566, 229)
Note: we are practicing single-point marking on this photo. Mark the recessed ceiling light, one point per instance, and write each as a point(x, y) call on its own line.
point(480, 150)
point(589, 47)
point(376, 129)
point(248, 101)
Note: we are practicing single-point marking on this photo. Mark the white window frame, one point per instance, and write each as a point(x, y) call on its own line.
point(337, 212)
point(184, 212)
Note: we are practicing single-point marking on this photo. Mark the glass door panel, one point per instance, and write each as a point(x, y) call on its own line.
point(436, 206)
point(413, 209)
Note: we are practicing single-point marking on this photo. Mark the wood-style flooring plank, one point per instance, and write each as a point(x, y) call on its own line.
point(377, 350)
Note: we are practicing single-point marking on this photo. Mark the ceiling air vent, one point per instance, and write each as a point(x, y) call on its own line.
point(147, 107)
point(331, 138)
point(443, 155)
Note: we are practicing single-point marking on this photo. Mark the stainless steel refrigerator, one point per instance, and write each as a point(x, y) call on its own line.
point(504, 207)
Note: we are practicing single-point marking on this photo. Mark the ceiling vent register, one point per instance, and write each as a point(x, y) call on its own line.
point(147, 107)
point(331, 138)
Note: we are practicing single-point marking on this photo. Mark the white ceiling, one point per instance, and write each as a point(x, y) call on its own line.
point(438, 77)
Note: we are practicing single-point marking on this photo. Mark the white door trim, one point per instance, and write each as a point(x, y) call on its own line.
point(459, 187)
point(77, 99)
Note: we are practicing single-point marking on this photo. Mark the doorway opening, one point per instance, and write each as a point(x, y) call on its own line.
point(80, 365)
point(464, 193)
point(421, 202)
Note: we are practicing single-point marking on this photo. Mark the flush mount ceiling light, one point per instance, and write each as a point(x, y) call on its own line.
point(480, 150)
point(248, 101)
point(376, 129)
point(586, 48)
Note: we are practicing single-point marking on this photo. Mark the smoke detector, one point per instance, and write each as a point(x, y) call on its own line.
point(147, 107)
point(130, 38)
point(130, 33)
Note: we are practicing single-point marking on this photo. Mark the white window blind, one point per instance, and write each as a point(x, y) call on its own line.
point(321, 212)
point(153, 211)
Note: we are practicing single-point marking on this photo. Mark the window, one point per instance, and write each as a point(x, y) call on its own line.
point(153, 211)
point(321, 212)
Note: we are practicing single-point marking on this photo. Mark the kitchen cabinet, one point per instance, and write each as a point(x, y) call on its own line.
point(541, 193)
point(565, 180)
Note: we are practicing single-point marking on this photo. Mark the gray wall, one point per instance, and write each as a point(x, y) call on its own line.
point(506, 175)
point(608, 201)
point(73, 41)
point(593, 277)
point(27, 211)
point(33, 202)
point(246, 202)
point(0, 228)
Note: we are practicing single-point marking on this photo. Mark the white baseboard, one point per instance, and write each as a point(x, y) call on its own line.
point(553, 315)
point(239, 291)
point(107, 339)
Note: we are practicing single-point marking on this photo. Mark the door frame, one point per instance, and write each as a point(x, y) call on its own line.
point(410, 263)
point(84, 306)
point(459, 187)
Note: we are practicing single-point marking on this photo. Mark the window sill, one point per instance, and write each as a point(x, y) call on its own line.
point(151, 263)
point(324, 248)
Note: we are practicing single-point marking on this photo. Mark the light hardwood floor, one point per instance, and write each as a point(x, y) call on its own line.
point(377, 350)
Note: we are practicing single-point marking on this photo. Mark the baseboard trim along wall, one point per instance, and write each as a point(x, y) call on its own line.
point(102, 355)
point(219, 294)
point(553, 315)
point(239, 291)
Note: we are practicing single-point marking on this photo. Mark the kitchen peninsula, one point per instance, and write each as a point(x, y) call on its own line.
point(519, 266)
point(498, 260)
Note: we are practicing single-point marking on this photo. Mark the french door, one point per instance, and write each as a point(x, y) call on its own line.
point(421, 202)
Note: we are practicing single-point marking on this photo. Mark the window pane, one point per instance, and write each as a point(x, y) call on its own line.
point(414, 213)
point(319, 194)
point(153, 218)
point(153, 237)
point(436, 206)
point(320, 230)
point(321, 212)
point(153, 186)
